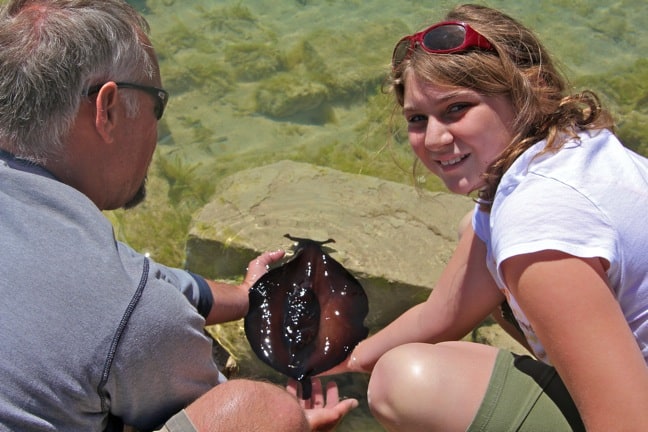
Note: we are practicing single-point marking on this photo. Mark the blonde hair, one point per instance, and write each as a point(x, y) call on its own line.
point(520, 68)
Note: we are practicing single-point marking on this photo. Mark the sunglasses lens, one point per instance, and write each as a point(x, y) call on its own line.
point(400, 52)
point(160, 104)
point(445, 37)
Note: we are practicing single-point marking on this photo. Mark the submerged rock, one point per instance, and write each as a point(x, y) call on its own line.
point(285, 95)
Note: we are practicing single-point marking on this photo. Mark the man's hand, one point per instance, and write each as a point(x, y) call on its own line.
point(259, 266)
point(324, 410)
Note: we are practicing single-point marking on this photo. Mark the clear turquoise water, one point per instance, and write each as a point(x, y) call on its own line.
point(256, 81)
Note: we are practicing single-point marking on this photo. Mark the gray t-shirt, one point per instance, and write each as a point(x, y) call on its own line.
point(90, 329)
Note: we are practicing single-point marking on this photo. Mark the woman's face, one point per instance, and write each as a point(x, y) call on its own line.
point(456, 132)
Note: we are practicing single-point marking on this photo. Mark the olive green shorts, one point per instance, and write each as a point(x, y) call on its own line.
point(178, 423)
point(525, 395)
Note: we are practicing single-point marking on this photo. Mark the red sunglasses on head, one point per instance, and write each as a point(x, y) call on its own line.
point(442, 38)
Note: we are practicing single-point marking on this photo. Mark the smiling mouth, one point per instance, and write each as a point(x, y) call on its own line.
point(454, 161)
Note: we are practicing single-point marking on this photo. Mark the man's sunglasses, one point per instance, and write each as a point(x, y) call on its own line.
point(161, 96)
point(442, 38)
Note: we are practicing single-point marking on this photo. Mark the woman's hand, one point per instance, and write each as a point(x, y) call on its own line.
point(324, 410)
point(349, 364)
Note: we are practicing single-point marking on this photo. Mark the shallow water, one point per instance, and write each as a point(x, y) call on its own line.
point(256, 81)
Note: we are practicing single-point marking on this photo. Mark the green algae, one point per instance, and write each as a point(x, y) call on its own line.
point(201, 134)
point(251, 61)
point(185, 184)
point(310, 76)
point(178, 36)
point(198, 70)
point(227, 18)
point(625, 92)
point(286, 94)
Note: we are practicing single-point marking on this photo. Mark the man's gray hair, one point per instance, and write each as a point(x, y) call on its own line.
point(51, 51)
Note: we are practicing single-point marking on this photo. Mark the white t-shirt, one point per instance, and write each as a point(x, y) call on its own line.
point(589, 199)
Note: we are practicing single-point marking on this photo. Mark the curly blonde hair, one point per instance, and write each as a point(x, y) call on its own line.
point(518, 67)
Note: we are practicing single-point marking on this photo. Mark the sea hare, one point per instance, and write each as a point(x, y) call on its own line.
point(307, 314)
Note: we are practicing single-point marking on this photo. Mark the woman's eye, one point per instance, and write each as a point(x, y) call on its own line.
point(457, 108)
point(415, 118)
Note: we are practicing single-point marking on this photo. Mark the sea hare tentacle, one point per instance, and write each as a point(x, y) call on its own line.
point(306, 387)
point(307, 314)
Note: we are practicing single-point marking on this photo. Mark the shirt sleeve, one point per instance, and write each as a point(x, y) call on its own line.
point(480, 224)
point(546, 214)
point(205, 296)
point(194, 287)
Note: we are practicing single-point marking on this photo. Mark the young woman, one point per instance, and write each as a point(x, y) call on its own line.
point(558, 233)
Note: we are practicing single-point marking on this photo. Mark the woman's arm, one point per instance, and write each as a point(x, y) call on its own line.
point(579, 322)
point(464, 295)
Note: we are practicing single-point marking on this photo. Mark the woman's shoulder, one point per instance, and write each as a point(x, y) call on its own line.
point(576, 157)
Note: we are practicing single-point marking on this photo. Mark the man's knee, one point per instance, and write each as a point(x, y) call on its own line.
point(247, 405)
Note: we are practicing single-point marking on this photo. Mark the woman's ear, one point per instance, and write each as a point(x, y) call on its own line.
point(107, 104)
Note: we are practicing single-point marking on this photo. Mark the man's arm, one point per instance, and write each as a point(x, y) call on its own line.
point(231, 301)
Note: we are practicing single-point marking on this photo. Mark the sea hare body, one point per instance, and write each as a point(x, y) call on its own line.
point(306, 315)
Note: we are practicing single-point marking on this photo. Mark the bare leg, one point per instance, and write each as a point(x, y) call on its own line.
point(426, 387)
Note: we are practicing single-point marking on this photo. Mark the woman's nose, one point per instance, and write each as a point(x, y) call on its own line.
point(437, 135)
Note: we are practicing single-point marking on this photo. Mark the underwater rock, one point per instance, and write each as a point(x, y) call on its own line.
point(283, 96)
point(253, 61)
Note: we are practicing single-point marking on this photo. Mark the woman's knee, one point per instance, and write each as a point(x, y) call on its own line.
point(398, 378)
point(418, 386)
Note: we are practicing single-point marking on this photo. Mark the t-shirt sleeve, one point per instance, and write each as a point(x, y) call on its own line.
point(480, 224)
point(546, 214)
point(194, 287)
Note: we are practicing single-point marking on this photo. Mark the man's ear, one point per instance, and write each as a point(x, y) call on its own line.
point(107, 104)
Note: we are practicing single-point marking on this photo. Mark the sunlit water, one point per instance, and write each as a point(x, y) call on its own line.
point(257, 81)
